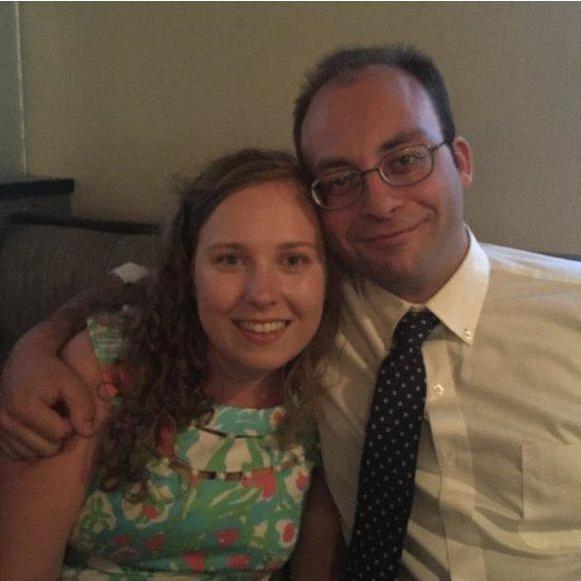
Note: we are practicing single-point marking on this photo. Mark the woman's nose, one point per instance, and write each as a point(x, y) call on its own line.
point(261, 287)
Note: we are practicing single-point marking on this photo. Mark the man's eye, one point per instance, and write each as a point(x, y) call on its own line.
point(345, 180)
point(338, 183)
point(407, 161)
point(342, 180)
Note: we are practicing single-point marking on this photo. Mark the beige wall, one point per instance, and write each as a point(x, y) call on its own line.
point(12, 158)
point(123, 96)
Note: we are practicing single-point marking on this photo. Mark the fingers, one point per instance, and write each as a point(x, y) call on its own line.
point(80, 403)
point(25, 442)
point(37, 417)
point(16, 450)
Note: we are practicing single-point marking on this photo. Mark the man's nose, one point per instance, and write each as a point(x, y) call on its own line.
point(380, 199)
point(261, 287)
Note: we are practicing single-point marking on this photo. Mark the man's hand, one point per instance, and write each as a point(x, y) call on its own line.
point(41, 399)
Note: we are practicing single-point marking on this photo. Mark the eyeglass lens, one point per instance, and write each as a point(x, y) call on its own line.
point(402, 167)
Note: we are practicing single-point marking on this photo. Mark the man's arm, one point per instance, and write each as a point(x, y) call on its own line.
point(40, 501)
point(42, 400)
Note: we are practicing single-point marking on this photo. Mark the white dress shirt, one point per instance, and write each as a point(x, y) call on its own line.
point(498, 483)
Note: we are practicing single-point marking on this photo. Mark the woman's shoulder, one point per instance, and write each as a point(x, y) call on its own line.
point(98, 352)
point(107, 332)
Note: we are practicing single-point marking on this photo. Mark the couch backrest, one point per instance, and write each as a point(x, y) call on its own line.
point(43, 262)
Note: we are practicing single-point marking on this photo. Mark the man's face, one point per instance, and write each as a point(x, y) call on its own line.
point(410, 239)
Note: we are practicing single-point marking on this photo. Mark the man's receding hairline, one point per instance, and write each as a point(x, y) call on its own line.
point(349, 77)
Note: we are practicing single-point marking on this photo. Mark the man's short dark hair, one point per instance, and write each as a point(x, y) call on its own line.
point(345, 63)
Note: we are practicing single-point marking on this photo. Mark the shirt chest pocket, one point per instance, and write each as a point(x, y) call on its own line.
point(551, 497)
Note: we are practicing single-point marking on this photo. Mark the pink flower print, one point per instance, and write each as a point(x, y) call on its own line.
point(263, 479)
point(277, 418)
point(108, 390)
point(121, 539)
point(196, 561)
point(287, 531)
point(239, 561)
point(227, 537)
point(155, 543)
point(303, 480)
point(150, 511)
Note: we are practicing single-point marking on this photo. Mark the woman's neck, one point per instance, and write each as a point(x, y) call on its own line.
point(242, 392)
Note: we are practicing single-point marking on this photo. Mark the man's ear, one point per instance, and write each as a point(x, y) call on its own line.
point(463, 153)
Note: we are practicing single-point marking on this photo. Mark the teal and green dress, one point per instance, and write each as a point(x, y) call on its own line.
point(234, 517)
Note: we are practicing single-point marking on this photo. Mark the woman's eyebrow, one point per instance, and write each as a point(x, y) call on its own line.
point(297, 244)
point(225, 246)
point(284, 245)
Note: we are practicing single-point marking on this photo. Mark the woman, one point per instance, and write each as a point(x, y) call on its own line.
point(205, 451)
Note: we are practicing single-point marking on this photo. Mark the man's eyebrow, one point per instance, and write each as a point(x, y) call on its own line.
point(332, 163)
point(402, 138)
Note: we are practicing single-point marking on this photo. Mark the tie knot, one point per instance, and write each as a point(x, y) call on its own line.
point(414, 327)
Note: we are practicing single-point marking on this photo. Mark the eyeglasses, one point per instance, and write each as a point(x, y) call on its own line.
point(401, 167)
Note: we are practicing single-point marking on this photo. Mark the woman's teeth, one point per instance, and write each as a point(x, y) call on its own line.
point(254, 327)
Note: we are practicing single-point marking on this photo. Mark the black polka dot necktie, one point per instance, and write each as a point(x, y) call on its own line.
point(388, 463)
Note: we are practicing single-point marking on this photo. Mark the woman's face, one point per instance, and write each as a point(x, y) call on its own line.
point(259, 279)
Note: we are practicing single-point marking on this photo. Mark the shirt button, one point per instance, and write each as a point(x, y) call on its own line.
point(438, 389)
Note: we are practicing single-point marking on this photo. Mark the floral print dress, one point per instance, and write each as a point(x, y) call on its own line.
point(235, 517)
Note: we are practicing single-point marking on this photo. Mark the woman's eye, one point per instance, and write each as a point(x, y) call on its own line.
point(227, 260)
point(295, 261)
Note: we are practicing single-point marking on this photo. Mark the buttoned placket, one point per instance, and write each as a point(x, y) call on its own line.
point(449, 432)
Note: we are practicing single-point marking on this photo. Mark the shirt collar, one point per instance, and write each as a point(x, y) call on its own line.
point(459, 302)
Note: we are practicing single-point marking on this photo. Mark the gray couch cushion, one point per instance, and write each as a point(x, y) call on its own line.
point(42, 265)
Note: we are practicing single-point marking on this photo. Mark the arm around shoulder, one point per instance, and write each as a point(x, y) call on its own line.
point(35, 379)
point(40, 501)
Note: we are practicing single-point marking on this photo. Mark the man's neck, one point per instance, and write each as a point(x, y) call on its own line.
point(420, 290)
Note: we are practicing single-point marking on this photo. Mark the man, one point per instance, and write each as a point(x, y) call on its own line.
point(499, 465)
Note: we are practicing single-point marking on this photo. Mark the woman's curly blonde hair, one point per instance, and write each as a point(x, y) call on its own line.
point(166, 353)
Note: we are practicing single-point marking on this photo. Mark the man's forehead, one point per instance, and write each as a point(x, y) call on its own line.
point(392, 82)
point(380, 100)
point(370, 71)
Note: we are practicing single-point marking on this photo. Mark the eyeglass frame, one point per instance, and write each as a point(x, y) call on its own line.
point(362, 173)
